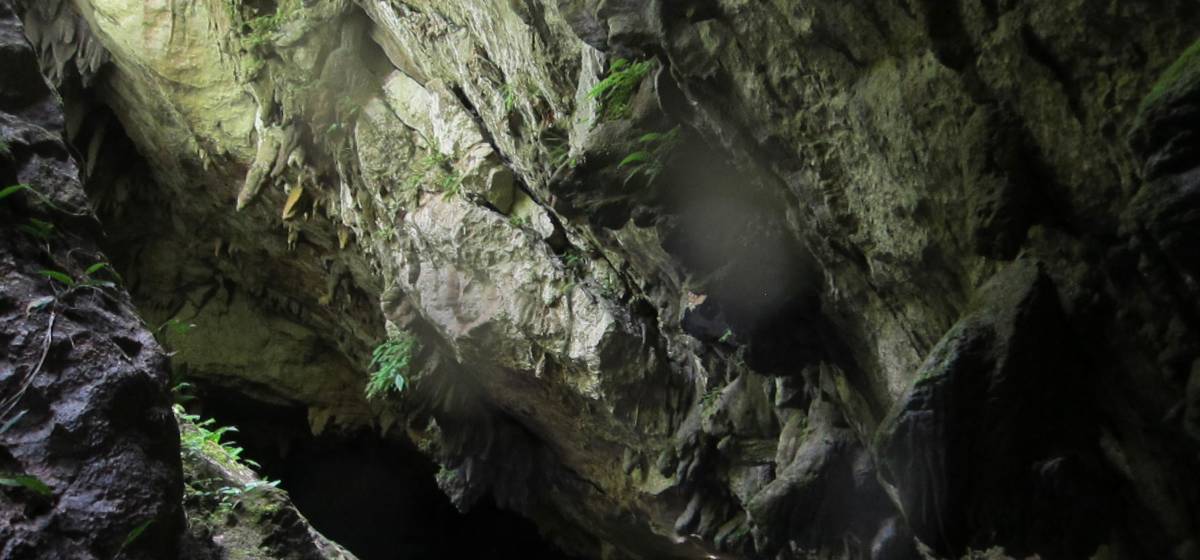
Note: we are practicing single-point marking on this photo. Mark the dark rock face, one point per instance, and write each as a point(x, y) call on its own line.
point(996, 442)
point(85, 407)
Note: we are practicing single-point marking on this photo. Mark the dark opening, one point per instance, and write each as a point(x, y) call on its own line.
point(375, 496)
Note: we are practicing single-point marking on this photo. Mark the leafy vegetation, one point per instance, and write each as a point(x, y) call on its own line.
point(225, 495)
point(509, 95)
point(709, 400)
point(558, 148)
point(651, 159)
point(88, 280)
point(41, 198)
point(264, 27)
point(1187, 65)
point(133, 535)
point(202, 437)
point(446, 179)
point(450, 183)
point(616, 90)
point(39, 229)
point(28, 482)
point(572, 258)
point(13, 189)
point(391, 361)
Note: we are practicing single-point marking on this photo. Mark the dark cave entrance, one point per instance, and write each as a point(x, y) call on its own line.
point(375, 496)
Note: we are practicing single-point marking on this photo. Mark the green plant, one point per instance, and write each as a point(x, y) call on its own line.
point(1185, 68)
point(40, 229)
point(708, 401)
point(89, 279)
point(572, 258)
point(651, 159)
point(450, 183)
point(41, 198)
point(12, 421)
point(263, 28)
point(14, 189)
point(204, 438)
point(509, 95)
point(727, 337)
point(225, 495)
point(175, 325)
point(133, 535)
point(391, 361)
point(29, 482)
point(428, 163)
point(518, 221)
point(616, 90)
point(4, 149)
point(561, 155)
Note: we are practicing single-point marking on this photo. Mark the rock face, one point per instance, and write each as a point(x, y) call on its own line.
point(89, 448)
point(85, 414)
point(753, 279)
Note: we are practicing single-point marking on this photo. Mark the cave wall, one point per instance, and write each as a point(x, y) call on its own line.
point(903, 275)
point(91, 461)
point(89, 450)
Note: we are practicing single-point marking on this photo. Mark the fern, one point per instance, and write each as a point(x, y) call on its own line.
point(391, 361)
point(208, 439)
point(616, 90)
point(651, 159)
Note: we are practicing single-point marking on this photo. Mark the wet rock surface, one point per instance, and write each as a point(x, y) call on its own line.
point(88, 449)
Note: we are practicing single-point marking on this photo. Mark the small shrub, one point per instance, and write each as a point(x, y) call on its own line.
point(616, 90)
point(391, 361)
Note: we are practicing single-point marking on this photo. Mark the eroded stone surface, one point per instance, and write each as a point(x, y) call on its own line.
point(84, 408)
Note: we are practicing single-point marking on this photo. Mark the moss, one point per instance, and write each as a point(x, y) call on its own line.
point(1181, 74)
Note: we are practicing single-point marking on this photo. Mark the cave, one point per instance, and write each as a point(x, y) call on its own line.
point(598, 279)
point(373, 494)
